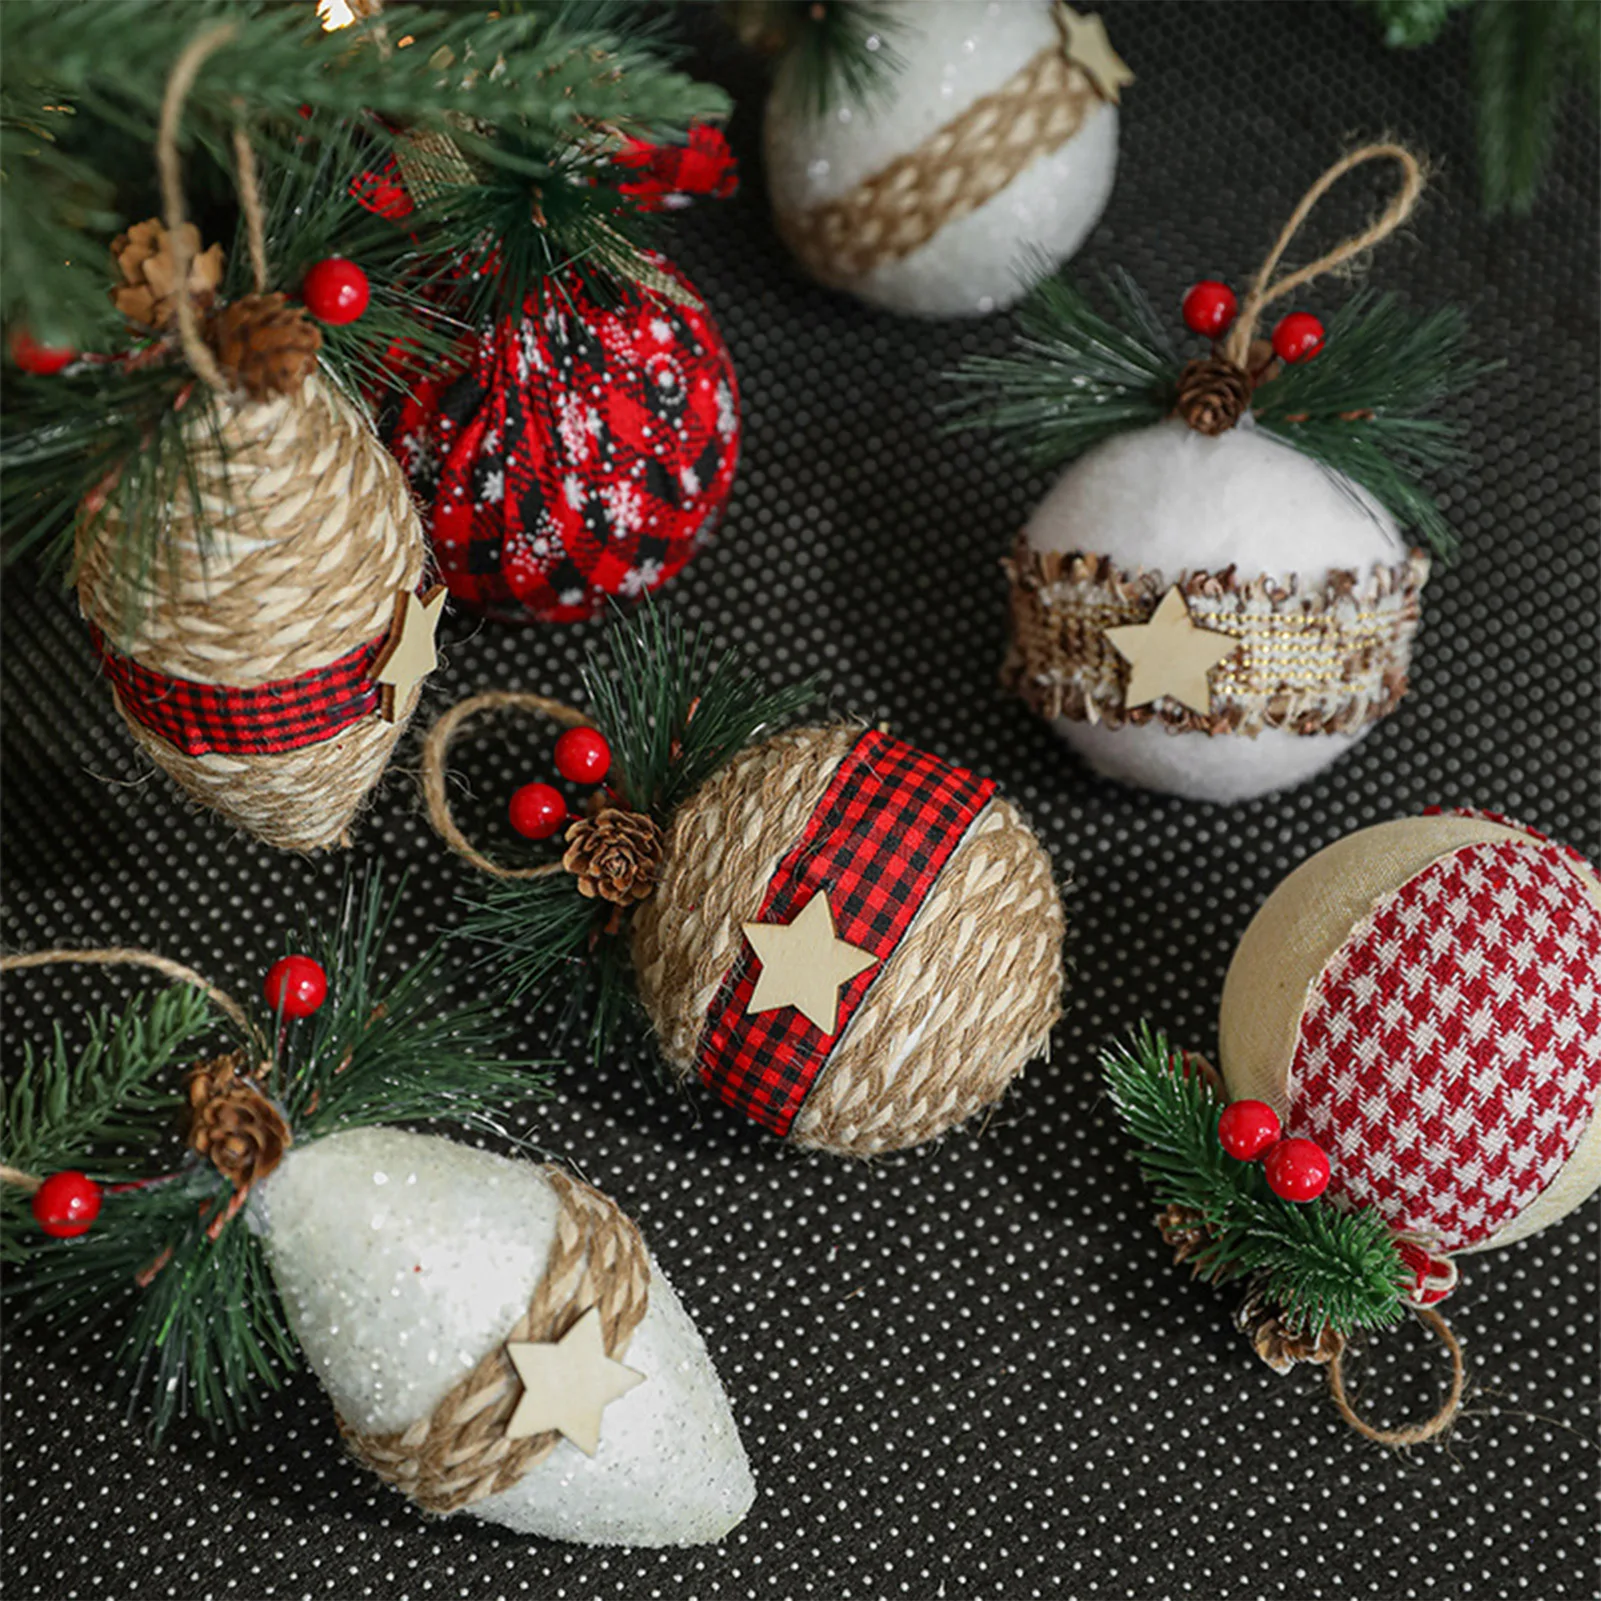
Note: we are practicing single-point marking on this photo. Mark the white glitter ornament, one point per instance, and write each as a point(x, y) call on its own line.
point(1170, 502)
point(404, 1261)
point(983, 163)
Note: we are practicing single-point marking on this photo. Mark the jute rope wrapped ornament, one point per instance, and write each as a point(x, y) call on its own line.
point(982, 160)
point(1217, 599)
point(1414, 1016)
point(267, 655)
point(848, 940)
point(493, 1333)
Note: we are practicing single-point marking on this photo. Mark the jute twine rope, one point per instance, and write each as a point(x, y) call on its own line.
point(117, 956)
point(1411, 1433)
point(966, 1000)
point(436, 755)
point(459, 1452)
point(957, 169)
point(309, 533)
point(1264, 290)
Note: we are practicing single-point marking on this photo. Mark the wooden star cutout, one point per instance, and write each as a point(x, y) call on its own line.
point(1170, 655)
point(803, 964)
point(409, 656)
point(567, 1384)
point(1088, 47)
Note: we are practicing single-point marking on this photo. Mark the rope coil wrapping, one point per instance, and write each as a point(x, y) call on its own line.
point(957, 169)
point(1411, 1433)
point(458, 1453)
point(965, 1001)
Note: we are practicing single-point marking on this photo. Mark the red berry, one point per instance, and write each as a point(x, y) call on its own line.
point(1298, 337)
point(537, 811)
point(295, 986)
point(1247, 1128)
point(1209, 308)
point(335, 290)
point(583, 756)
point(43, 360)
point(1297, 1170)
point(66, 1204)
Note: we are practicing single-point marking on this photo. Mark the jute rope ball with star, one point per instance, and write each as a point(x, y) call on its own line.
point(1220, 595)
point(264, 629)
point(962, 149)
point(853, 943)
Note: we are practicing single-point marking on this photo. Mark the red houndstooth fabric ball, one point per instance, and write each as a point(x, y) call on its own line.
point(1449, 1055)
point(586, 450)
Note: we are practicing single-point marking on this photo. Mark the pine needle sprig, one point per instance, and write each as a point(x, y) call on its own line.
point(1361, 408)
point(674, 710)
point(1321, 1266)
point(385, 1047)
point(1076, 376)
point(835, 53)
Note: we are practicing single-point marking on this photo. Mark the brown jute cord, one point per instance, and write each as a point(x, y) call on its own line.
point(1411, 1433)
point(957, 169)
point(129, 956)
point(179, 82)
point(28, 1183)
point(1264, 291)
point(436, 752)
point(458, 1453)
point(967, 999)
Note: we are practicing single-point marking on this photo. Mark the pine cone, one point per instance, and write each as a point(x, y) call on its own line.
point(615, 855)
point(1182, 1228)
point(264, 345)
point(1213, 395)
point(232, 1122)
point(148, 293)
point(1277, 1346)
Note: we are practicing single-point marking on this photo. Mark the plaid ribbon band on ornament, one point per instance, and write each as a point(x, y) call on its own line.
point(875, 844)
point(264, 720)
point(1324, 660)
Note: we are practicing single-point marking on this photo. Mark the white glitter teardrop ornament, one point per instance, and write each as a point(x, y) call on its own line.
point(980, 167)
point(405, 1261)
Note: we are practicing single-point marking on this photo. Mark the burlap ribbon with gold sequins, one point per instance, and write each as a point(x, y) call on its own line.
point(1328, 658)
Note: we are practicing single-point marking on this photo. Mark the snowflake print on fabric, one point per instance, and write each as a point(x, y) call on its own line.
point(586, 450)
point(1449, 1056)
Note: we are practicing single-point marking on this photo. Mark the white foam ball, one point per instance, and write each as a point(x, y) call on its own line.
point(1170, 500)
point(953, 53)
point(403, 1259)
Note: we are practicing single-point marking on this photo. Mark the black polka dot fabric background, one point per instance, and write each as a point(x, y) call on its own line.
point(969, 1370)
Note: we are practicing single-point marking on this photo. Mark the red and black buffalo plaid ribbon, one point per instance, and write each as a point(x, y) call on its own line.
point(876, 843)
point(202, 719)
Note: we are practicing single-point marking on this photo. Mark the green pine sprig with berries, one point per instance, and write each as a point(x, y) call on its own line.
point(1319, 1266)
point(158, 1238)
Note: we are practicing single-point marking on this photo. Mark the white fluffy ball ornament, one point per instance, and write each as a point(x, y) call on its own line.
point(494, 1335)
point(938, 159)
point(1410, 1041)
point(1217, 600)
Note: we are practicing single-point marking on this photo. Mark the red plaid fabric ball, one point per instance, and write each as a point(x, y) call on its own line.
point(585, 450)
point(1423, 999)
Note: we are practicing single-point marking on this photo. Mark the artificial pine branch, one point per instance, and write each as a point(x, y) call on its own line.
point(384, 1047)
point(1076, 376)
point(1361, 408)
point(834, 52)
point(107, 61)
point(1322, 1267)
